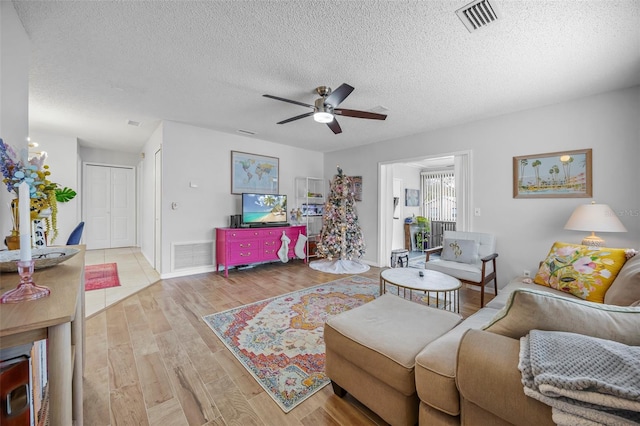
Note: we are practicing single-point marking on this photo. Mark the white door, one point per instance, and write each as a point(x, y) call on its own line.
point(398, 222)
point(157, 236)
point(109, 206)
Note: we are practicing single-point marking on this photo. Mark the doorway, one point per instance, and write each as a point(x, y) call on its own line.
point(460, 161)
point(109, 206)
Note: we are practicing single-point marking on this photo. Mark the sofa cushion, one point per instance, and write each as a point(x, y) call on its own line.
point(625, 290)
point(490, 383)
point(459, 250)
point(530, 309)
point(384, 336)
point(436, 365)
point(501, 299)
point(462, 271)
point(584, 271)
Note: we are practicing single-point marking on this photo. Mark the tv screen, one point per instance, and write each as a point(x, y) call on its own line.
point(264, 209)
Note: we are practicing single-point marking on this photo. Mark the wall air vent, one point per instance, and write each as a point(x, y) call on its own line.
point(191, 255)
point(477, 14)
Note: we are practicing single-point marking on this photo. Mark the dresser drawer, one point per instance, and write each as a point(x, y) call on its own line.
point(243, 234)
point(235, 246)
point(244, 256)
point(271, 242)
point(270, 254)
point(271, 233)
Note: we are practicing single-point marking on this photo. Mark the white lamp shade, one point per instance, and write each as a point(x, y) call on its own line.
point(595, 218)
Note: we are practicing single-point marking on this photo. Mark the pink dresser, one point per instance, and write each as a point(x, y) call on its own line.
point(243, 246)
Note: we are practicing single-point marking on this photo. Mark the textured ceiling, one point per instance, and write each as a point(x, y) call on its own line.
point(97, 64)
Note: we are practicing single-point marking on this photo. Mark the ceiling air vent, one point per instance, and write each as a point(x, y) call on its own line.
point(246, 132)
point(477, 14)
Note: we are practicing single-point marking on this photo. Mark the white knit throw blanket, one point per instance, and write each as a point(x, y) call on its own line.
point(587, 381)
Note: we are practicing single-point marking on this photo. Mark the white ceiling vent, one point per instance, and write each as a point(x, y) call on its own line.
point(477, 14)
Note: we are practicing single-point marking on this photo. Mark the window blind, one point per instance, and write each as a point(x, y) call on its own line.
point(439, 201)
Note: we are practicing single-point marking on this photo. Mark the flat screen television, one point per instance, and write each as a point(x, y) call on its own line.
point(264, 210)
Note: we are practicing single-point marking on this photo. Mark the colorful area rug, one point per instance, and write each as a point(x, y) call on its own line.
point(280, 340)
point(101, 276)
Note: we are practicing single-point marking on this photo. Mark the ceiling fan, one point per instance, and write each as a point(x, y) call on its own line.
point(326, 107)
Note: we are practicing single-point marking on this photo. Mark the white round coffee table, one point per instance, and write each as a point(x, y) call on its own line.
point(445, 288)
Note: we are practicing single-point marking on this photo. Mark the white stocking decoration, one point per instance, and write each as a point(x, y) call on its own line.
point(283, 253)
point(300, 246)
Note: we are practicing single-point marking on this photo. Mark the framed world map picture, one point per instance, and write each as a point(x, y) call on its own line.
point(254, 173)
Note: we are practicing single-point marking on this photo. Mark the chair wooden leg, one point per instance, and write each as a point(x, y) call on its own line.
point(482, 296)
point(338, 390)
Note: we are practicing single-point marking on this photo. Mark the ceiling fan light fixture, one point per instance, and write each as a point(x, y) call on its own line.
point(325, 108)
point(323, 113)
point(323, 117)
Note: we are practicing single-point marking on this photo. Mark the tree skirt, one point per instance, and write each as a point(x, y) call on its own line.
point(339, 266)
point(280, 341)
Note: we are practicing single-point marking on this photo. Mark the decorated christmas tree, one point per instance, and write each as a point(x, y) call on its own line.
point(341, 242)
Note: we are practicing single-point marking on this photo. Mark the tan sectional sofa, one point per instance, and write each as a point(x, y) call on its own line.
point(468, 375)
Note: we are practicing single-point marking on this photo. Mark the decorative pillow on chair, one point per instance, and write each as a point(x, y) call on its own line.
point(584, 271)
point(463, 251)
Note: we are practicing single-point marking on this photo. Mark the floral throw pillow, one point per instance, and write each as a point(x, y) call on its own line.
point(584, 271)
point(463, 251)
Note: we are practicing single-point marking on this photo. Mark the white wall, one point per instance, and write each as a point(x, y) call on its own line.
point(62, 158)
point(14, 94)
point(410, 177)
point(203, 156)
point(146, 210)
point(525, 228)
point(105, 156)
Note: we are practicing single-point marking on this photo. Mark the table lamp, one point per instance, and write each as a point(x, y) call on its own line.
point(594, 217)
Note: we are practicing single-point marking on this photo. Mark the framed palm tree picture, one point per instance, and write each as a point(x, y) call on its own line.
point(565, 174)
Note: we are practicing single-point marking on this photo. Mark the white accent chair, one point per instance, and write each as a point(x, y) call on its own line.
point(480, 273)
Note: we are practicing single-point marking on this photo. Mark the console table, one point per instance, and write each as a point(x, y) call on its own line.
point(60, 319)
point(245, 246)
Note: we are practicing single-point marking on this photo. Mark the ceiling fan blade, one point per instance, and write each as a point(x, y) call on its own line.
point(288, 100)
point(297, 117)
point(334, 126)
point(339, 95)
point(359, 114)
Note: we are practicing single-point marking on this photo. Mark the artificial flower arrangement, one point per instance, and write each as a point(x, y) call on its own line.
point(44, 194)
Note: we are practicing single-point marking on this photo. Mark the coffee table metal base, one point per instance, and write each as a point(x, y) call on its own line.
point(445, 288)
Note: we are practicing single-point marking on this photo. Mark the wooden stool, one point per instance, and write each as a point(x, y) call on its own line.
point(400, 258)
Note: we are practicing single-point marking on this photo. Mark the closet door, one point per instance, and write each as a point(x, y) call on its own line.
point(109, 207)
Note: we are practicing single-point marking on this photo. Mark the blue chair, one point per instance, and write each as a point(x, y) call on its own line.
point(76, 235)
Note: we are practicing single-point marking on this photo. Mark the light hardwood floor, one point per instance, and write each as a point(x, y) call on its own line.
point(151, 360)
